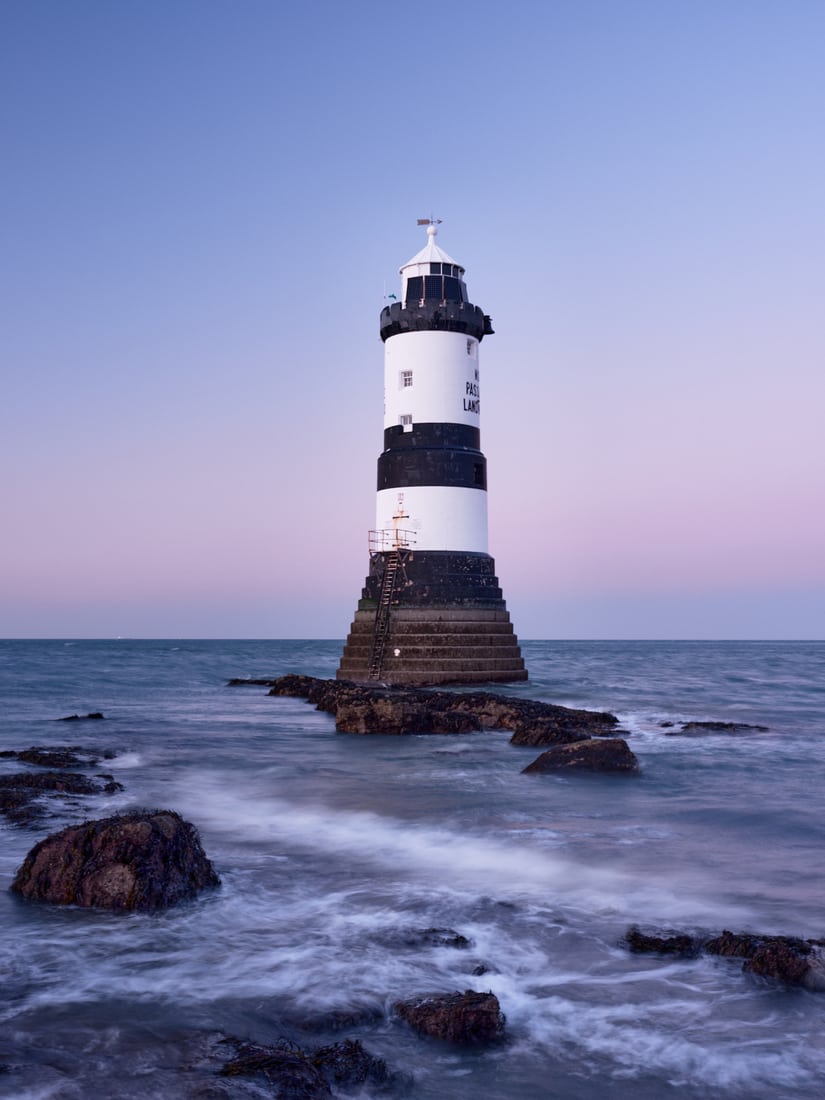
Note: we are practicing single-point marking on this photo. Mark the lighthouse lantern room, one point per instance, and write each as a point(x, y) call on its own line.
point(431, 610)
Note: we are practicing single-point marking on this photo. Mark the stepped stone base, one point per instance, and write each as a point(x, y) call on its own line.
point(436, 645)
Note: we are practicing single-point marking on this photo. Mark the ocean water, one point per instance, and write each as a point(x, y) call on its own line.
point(333, 848)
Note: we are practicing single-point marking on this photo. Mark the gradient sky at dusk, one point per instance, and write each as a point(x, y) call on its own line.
point(202, 204)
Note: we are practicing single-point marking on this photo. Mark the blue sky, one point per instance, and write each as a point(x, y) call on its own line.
point(203, 202)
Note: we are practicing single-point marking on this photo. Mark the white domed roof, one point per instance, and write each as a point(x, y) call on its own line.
point(430, 253)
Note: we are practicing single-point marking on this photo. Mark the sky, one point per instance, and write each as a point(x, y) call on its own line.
point(204, 202)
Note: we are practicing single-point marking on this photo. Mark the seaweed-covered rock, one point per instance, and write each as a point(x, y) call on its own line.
point(677, 944)
point(347, 1064)
point(21, 792)
point(784, 958)
point(360, 708)
point(284, 1066)
point(469, 1018)
point(296, 1074)
point(138, 861)
point(605, 755)
point(548, 731)
point(698, 729)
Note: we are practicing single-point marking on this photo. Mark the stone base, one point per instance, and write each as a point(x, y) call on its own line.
point(436, 645)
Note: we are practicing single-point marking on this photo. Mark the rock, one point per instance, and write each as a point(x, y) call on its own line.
point(547, 731)
point(296, 1074)
point(347, 1064)
point(784, 958)
point(138, 861)
point(284, 1066)
point(359, 708)
point(696, 729)
point(20, 792)
point(93, 716)
point(607, 755)
point(66, 757)
point(399, 716)
point(467, 1018)
point(423, 937)
point(676, 944)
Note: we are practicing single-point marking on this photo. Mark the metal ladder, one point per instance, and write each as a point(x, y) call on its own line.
point(382, 615)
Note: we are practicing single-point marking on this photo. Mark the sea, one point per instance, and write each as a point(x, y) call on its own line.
point(338, 852)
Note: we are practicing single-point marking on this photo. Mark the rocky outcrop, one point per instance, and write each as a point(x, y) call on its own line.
point(699, 729)
point(604, 755)
point(360, 709)
point(93, 716)
point(21, 792)
point(679, 943)
point(468, 1019)
point(137, 861)
point(783, 958)
point(64, 756)
point(307, 1075)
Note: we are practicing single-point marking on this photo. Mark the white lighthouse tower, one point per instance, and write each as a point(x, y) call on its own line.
point(431, 610)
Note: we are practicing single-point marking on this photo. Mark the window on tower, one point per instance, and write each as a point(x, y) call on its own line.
point(406, 421)
point(406, 378)
point(415, 289)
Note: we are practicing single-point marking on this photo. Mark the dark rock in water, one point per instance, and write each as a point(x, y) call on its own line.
point(785, 958)
point(94, 715)
point(696, 729)
point(548, 731)
point(423, 937)
point(64, 782)
point(337, 1019)
point(138, 861)
point(399, 716)
point(608, 755)
point(469, 1018)
point(284, 1066)
point(359, 708)
point(296, 1074)
point(66, 757)
point(347, 1064)
point(20, 792)
point(677, 944)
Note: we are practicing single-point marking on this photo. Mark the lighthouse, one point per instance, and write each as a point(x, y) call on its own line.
point(431, 610)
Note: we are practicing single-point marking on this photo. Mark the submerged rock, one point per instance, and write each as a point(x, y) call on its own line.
point(138, 861)
point(284, 1066)
point(94, 715)
point(296, 1074)
point(676, 944)
point(696, 729)
point(604, 755)
point(784, 958)
point(21, 792)
point(469, 1018)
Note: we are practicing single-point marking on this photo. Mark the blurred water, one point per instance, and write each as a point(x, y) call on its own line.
point(332, 847)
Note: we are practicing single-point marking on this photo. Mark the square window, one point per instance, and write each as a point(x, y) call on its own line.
point(406, 378)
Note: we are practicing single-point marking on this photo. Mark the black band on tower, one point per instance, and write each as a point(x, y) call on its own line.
point(432, 466)
point(435, 317)
point(458, 437)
